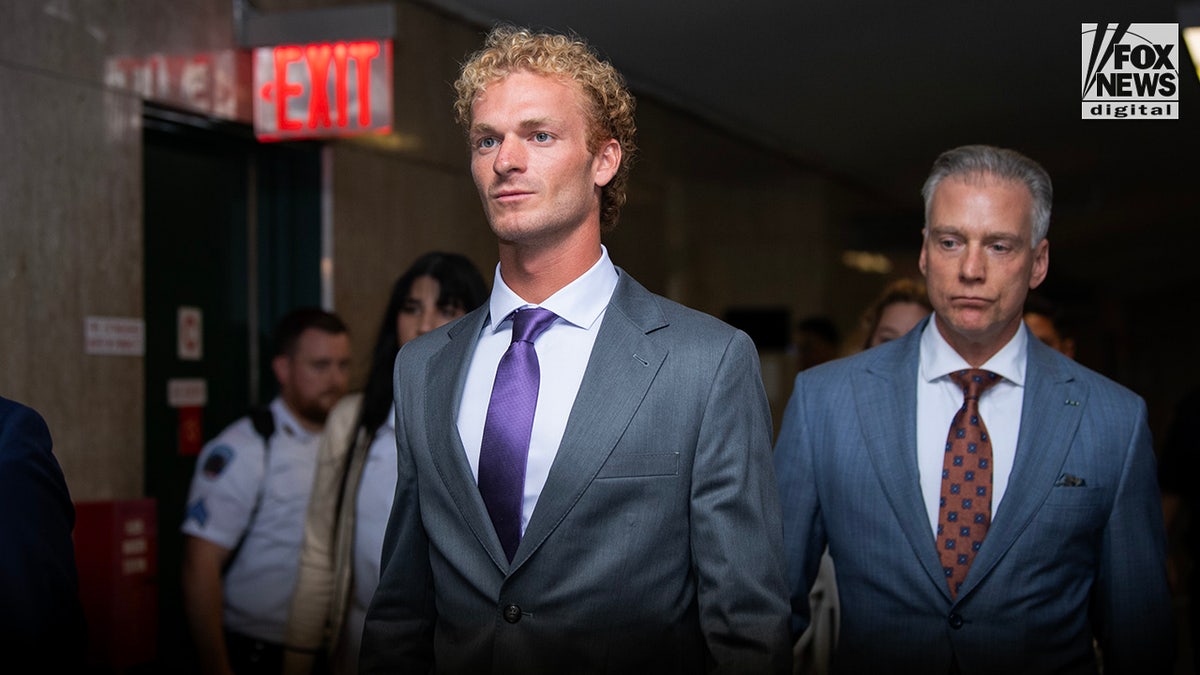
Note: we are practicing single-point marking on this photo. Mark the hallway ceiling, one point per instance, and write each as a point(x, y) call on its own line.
point(870, 92)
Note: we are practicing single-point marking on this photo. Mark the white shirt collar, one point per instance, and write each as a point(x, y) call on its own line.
point(286, 421)
point(580, 302)
point(938, 358)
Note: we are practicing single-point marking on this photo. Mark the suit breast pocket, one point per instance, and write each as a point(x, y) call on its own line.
point(642, 465)
point(1071, 510)
point(1077, 498)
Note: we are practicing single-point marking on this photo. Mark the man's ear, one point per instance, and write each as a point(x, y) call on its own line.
point(921, 264)
point(281, 365)
point(608, 160)
point(1041, 264)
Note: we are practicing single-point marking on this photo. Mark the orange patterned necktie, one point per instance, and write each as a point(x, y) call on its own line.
point(965, 509)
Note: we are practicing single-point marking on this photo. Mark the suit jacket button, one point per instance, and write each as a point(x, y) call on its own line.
point(512, 613)
point(956, 620)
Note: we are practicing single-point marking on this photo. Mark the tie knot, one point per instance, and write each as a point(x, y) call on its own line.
point(531, 322)
point(975, 381)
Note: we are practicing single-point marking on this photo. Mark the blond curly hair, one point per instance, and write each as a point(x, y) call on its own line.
point(509, 49)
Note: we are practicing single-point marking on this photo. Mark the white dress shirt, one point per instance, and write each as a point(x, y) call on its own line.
point(939, 398)
point(563, 352)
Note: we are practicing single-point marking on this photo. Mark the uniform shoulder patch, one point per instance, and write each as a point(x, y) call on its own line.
point(197, 512)
point(217, 460)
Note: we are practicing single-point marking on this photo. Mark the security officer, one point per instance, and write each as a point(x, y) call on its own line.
point(245, 514)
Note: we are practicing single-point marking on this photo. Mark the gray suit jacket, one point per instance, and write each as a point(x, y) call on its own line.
point(655, 546)
point(1062, 563)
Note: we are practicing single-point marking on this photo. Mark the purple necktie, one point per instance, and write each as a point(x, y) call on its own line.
point(505, 447)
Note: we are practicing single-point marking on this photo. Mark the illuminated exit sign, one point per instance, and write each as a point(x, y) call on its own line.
point(322, 90)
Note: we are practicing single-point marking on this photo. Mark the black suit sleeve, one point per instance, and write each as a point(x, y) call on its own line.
point(40, 617)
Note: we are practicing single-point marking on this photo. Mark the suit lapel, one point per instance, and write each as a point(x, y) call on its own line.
point(885, 396)
point(1051, 410)
point(623, 364)
point(444, 382)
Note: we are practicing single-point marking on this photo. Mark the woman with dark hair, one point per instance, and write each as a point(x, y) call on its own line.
point(356, 475)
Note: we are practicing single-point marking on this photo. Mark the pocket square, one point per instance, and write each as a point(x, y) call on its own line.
point(1067, 480)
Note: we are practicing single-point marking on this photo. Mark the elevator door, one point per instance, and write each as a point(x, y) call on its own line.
point(232, 238)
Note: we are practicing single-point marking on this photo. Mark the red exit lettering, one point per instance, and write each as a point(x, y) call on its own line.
point(321, 88)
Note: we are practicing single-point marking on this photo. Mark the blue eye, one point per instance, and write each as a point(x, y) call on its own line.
point(488, 142)
point(541, 137)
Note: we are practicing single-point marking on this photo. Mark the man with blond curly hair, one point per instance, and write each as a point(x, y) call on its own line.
point(585, 478)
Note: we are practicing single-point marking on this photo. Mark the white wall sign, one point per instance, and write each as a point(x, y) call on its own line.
point(187, 392)
point(114, 336)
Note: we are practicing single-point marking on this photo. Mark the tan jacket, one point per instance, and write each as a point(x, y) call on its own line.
point(325, 580)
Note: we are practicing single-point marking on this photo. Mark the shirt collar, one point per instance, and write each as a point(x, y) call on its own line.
point(938, 358)
point(286, 421)
point(580, 302)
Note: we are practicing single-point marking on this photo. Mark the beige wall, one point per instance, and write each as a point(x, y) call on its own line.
point(71, 236)
point(711, 221)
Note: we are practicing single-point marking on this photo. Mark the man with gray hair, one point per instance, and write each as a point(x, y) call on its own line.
point(990, 505)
